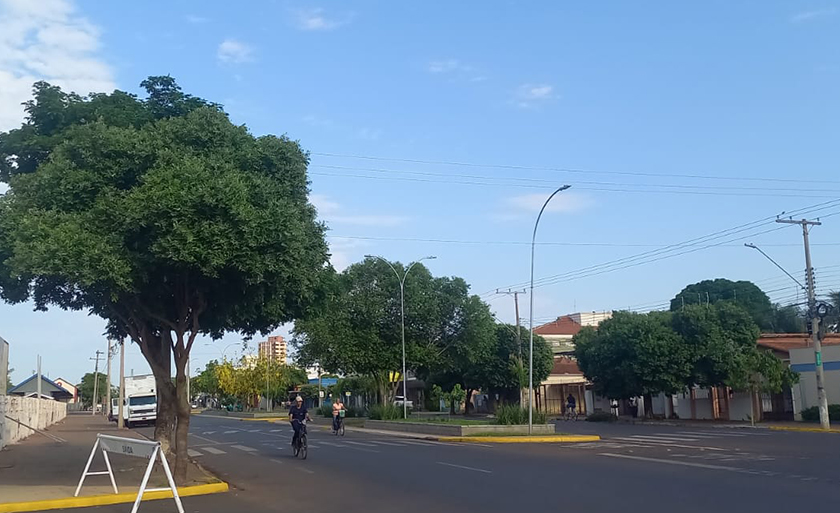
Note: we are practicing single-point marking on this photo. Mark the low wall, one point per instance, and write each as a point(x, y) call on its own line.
point(37, 413)
point(431, 428)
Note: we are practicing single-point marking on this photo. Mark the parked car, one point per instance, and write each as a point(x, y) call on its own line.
point(398, 401)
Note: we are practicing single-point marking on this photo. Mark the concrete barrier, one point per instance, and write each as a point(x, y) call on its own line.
point(442, 429)
point(18, 412)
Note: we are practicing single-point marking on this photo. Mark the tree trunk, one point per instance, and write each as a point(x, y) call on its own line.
point(182, 428)
point(648, 406)
point(467, 401)
point(158, 353)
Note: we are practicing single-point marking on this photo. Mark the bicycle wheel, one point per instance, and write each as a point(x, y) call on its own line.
point(296, 448)
point(341, 429)
point(303, 450)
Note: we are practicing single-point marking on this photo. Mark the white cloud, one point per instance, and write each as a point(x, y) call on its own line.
point(564, 202)
point(448, 65)
point(530, 95)
point(46, 40)
point(811, 15)
point(196, 20)
point(232, 51)
point(316, 19)
point(333, 213)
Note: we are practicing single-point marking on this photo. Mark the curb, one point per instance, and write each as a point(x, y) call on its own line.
point(803, 429)
point(521, 439)
point(106, 500)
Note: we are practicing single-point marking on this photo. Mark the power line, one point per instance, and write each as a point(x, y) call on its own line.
point(675, 247)
point(562, 169)
point(544, 183)
point(525, 243)
point(577, 187)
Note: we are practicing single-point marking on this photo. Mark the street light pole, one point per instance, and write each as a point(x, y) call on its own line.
point(401, 279)
point(531, 315)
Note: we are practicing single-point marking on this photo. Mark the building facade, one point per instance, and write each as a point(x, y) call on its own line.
point(274, 348)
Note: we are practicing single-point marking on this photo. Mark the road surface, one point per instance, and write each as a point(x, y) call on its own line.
point(647, 469)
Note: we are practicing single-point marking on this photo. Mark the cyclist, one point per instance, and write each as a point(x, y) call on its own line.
point(571, 405)
point(337, 407)
point(297, 414)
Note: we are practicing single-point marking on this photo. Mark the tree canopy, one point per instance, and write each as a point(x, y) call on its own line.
point(85, 388)
point(160, 216)
point(357, 330)
point(743, 293)
point(632, 355)
point(635, 354)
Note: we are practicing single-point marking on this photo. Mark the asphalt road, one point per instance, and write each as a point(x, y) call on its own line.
point(633, 469)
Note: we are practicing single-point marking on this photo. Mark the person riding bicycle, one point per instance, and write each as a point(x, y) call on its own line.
point(571, 404)
point(337, 408)
point(297, 414)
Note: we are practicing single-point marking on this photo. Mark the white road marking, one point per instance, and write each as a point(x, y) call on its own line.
point(202, 438)
point(193, 454)
point(665, 438)
point(213, 450)
point(710, 434)
point(255, 430)
point(359, 443)
point(668, 444)
point(465, 468)
point(275, 430)
point(229, 432)
point(308, 471)
point(311, 446)
point(277, 461)
point(385, 443)
point(331, 444)
point(417, 442)
point(208, 433)
point(243, 448)
point(673, 462)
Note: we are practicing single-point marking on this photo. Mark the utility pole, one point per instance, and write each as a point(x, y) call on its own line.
point(515, 294)
point(120, 420)
point(95, 381)
point(815, 319)
point(107, 406)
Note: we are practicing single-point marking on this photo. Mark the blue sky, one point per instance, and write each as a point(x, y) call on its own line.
point(670, 121)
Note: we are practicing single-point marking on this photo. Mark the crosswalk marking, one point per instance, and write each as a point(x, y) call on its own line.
point(359, 443)
point(208, 433)
point(331, 444)
point(232, 431)
point(386, 443)
point(696, 433)
point(213, 450)
point(663, 438)
point(243, 448)
point(193, 454)
point(275, 430)
point(417, 442)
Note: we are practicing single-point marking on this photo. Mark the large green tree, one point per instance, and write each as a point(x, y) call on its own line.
point(505, 371)
point(356, 331)
point(633, 354)
point(86, 387)
point(742, 293)
point(162, 217)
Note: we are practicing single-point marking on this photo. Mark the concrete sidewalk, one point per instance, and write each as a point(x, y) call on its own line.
point(724, 424)
point(41, 468)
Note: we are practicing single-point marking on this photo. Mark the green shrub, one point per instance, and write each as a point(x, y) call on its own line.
point(386, 412)
point(509, 415)
point(602, 416)
point(325, 411)
point(354, 412)
point(812, 414)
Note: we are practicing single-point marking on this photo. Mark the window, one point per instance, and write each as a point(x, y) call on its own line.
point(142, 401)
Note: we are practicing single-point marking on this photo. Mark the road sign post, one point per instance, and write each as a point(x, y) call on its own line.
point(137, 449)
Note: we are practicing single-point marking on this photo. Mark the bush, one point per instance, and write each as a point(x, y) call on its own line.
point(325, 411)
point(602, 416)
point(812, 414)
point(386, 412)
point(508, 415)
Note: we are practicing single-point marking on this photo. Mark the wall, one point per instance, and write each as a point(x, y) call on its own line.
point(37, 413)
point(740, 406)
point(802, 361)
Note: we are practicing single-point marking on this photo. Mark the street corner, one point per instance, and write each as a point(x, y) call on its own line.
point(111, 499)
point(547, 439)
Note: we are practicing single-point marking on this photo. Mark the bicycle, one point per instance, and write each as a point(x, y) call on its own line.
point(339, 431)
point(299, 446)
point(571, 414)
